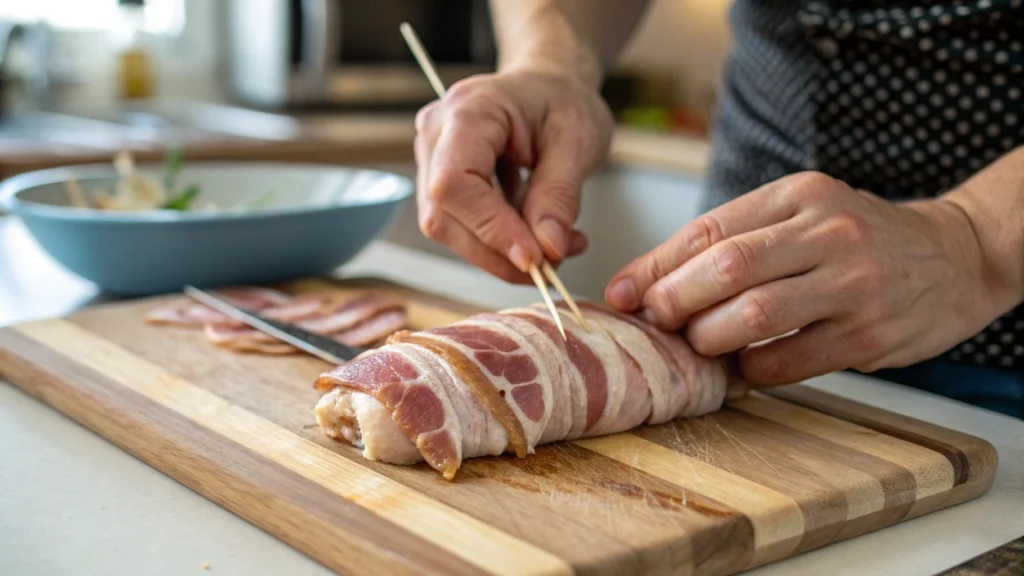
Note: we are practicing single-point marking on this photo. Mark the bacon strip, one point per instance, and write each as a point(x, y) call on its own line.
point(405, 386)
point(360, 321)
point(690, 369)
point(194, 314)
point(350, 313)
point(373, 329)
point(513, 383)
point(479, 383)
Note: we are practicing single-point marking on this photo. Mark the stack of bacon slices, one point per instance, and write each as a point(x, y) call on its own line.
point(502, 382)
point(362, 321)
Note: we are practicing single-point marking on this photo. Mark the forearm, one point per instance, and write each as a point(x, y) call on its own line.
point(993, 201)
point(577, 37)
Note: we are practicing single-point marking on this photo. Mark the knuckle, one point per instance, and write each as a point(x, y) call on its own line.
point(760, 314)
point(867, 340)
point(461, 90)
point(808, 185)
point(466, 113)
point(425, 117)
point(866, 278)
point(430, 224)
point(558, 198)
point(665, 302)
point(766, 367)
point(700, 344)
point(653, 267)
point(488, 227)
point(704, 233)
point(813, 180)
point(874, 313)
point(733, 262)
point(441, 187)
point(849, 228)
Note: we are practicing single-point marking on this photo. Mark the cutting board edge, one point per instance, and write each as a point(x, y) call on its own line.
point(33, 372)
point(973, 449)
point(979, 449)
point(81, 406)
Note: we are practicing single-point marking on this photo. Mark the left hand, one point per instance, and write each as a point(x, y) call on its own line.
point(867, 283)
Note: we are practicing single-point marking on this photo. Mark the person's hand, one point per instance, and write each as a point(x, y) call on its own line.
point(551, 124)
point(866, 283)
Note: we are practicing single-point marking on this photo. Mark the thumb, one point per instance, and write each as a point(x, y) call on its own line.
point(553, 199)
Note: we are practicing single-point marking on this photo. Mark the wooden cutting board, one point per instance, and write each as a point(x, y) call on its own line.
point(768, 477)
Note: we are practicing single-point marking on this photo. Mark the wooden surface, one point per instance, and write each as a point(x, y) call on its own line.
point(305, 150)
point(768, 477)
point(341, 138)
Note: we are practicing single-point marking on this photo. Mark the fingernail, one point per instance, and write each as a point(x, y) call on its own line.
point(648, 315)
point(554, 235)
point(622, 294)
point(578, 243)
point(519, 258)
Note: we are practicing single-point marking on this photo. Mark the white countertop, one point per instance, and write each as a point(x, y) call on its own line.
point(72, 503)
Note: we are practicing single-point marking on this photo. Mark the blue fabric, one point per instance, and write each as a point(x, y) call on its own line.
point(997, 390)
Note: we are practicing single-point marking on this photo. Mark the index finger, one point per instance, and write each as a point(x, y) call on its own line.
point(764, 206)
point(461, 183)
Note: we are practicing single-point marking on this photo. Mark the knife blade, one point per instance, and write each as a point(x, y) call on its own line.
point(318, 345)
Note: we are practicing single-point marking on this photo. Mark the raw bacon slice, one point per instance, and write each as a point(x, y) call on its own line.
point(350, 313)
point(194, 314)
point(400, 381)
point(512, 383)
point(296, 310)
point(245, 339)
point(353, 321)
point(373, 329)
point(361, 321)
point(366, 332)
point(685, 394)
point(477, 382)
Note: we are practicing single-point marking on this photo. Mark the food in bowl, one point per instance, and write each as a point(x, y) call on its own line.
point(136, 190)
point(313, 219)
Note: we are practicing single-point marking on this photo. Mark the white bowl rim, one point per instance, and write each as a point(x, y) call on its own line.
point(12, 186)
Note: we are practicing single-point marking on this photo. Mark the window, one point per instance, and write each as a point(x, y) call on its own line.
point(166, 17)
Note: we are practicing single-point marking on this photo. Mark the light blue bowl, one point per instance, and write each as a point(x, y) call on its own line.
point(321, 217)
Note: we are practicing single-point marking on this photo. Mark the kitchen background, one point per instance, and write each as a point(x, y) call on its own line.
point(246, 79)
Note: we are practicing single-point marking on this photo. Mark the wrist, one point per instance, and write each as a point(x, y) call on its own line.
point(551, 47)
point(991, 209)
point(990, 293)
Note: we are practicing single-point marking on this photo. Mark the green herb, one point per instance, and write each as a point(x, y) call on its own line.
point(172, 166)
point(184, 200)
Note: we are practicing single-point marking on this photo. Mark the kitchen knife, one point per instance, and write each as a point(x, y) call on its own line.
point(318, 345)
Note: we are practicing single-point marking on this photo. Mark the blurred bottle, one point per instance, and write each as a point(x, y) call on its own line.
point(135, 62)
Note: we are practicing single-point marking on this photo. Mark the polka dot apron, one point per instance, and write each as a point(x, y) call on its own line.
point(913, 98)
point(905, 99)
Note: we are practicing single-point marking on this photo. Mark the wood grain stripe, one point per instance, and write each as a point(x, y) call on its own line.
point(932, 480)
point(776, 519)
point(300, 513)
point(941, 440)
point(447, 528)
point(841, 490)
point(674, 530)
point(584, 524)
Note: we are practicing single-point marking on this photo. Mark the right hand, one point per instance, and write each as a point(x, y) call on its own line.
point(556, 126)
